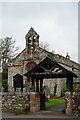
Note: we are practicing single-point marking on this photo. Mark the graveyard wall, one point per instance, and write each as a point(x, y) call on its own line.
point(76, 103)
point(72, 103)
point(18, 101)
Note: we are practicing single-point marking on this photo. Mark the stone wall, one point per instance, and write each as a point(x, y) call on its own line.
point(59, 83)
point(12, 71)
point(72, 103)
point(76, 103)
point(68, 103)
point(17, 101)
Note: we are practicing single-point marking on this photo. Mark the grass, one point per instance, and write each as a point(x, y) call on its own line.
point(13, 111)
point(53, 102)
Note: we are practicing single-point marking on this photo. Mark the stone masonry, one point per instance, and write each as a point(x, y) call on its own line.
point(76, 103)
point(15, 101)
point(68, 103)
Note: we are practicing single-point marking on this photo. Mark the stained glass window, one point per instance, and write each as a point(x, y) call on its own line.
point(28, 77)
point(32, 66)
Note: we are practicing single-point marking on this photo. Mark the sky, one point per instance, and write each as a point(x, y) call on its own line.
point(55, 22)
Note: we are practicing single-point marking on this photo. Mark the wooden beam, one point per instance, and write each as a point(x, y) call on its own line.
point(41, 85)
point(47, 65)
point(33, 86)
point(69, 83)
point(37, 85)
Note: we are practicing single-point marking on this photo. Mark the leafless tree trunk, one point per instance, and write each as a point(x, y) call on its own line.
point(44, 45)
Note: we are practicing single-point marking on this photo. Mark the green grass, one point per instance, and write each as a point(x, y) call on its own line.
point(53, 102)
point(13, 111)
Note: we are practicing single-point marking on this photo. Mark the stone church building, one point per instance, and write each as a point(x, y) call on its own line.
point(28, 59)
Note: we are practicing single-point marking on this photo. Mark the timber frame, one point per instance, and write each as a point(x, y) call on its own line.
point(49, 68)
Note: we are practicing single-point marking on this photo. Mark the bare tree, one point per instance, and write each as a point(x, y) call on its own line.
point(7, 52)
point(7, 49)
point(44, 45)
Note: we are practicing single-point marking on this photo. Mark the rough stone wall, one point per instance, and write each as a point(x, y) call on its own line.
point(15, 101)
point(19, 59)
point(72, 103)
point(60, 86)
point(12, 71)
point(76, 103)
point(68, 103)
point(50, 83)
point(58, 83)
point(19, 69)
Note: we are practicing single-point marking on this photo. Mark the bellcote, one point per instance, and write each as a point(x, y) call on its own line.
point(32, 43)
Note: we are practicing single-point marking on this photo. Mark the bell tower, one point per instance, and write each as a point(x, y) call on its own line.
point(32, 43)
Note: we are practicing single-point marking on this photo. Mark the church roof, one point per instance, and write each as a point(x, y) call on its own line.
point(53, 56)
point(49, 68)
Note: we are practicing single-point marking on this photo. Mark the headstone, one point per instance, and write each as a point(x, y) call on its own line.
point(18, 89)
point(24, 90)
point(2, 89)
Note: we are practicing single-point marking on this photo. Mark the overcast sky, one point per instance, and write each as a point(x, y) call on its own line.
point(56, 23)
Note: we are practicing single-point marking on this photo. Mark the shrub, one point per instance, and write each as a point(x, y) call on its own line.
point(5, 84)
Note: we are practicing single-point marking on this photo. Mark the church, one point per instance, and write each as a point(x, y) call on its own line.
point(28, 59)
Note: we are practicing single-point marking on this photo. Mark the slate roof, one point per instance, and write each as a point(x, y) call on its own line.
point(47, 73)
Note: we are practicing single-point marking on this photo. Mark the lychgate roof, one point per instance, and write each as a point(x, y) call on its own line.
point(50, 69)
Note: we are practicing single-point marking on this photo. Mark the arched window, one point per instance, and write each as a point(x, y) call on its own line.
point(29, 76)
point(32, 66)
point(28, 68)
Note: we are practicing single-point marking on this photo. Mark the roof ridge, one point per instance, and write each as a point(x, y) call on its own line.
point(19, 53)
point(59, 55)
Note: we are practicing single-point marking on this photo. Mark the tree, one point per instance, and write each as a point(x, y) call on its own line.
point(44, 45)
point(8, 49)
point(7, 52)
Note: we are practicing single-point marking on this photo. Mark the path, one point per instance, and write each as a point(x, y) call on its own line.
point(53, 112)
point(41, 114)
point(58, 108)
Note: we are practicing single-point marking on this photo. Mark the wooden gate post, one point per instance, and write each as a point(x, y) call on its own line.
point(33, 85)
